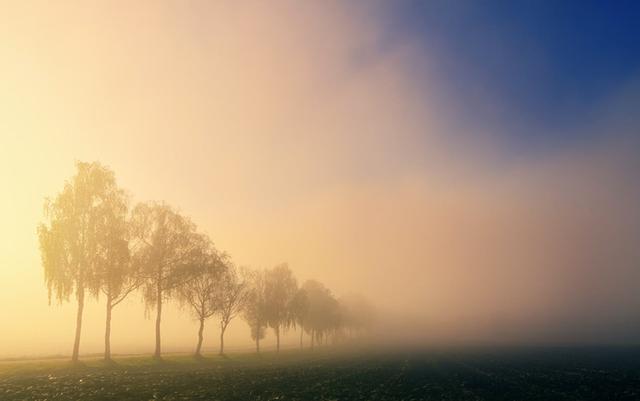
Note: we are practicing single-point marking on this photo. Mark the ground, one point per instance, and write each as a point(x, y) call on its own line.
point(604, 373)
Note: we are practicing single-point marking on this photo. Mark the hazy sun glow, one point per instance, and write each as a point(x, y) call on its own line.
point(293, 133)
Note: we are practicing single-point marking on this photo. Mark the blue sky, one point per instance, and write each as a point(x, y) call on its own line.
point(549, 65)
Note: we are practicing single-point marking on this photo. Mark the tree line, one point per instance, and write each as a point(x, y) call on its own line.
point(93, 243)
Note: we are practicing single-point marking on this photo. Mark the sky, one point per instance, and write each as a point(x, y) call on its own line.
point(548, 63)
point(472, 168)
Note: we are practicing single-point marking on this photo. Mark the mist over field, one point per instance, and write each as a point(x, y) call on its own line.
point(322, 135)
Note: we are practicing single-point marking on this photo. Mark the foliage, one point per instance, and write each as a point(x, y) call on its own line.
point(81, 234)
point(299, 308)
point(280, 288)
point(83, 240)
point(167, 249)
point(168, 253)
point(323, 313)
point(199, 293)
point(230, 295)
point(117, 275)
point(91, 241)
point(255, 310)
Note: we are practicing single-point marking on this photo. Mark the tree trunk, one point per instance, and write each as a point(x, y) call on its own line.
point(277, 338)
point(258, 344)
point(301, 332)
point(223, 327)
point(158, 353)
point(199, 347)
point(313, 338)
point(107, 332)
point(76, 343)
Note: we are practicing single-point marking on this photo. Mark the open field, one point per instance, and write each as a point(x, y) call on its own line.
point(469, 374)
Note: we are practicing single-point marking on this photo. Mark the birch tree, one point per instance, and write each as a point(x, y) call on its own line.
point(280, 288)
point(199, 293)
point(167, 251)
point(230, 297)
point(255, 307)
point(299, 311)
point(117, 275)
point(73, 239)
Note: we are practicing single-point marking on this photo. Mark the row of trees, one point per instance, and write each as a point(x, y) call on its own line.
point(93, 243)
point(275, 301)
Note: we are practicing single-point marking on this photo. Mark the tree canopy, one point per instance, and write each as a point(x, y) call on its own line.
point(82, 234)
point(280, 288)
point(168, 253)
point(92, 242)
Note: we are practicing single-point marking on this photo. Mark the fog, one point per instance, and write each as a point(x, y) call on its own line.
point(298, 133)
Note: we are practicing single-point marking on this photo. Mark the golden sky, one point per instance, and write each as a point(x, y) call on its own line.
point(288, 134)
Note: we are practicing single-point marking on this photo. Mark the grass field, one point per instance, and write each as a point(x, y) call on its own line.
point(455, 374)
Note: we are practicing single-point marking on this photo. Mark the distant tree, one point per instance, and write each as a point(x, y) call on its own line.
point(230, 297)
point(168, 250)
point(356, 313)
point(323, 314)
point(74, 238)
point(280, 288)
point(199, 293)
point(299, 310)
point(255, 307)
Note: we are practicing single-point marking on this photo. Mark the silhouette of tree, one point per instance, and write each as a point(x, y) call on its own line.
point(168, 250)
point(323, 315)
point(299, 310)
point(75, 238)
point(230, 297)
point(199, 292)
point(117, 275)
point(280, 288)
point(255, 313)
point(356, 313)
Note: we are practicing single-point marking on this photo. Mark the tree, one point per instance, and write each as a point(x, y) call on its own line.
point(167, 251)
point(280, 288)
point(230, 297)
point(356, 313)
point(255, 307)
point(323, 314)
point(299, 310)
point(117, 275)
point(74, 240)
point(199, 292)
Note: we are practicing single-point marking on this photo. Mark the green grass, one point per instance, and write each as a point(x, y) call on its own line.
point(330, 374)
point(169, 361)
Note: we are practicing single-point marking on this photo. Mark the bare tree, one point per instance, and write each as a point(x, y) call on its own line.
point(199, 292)
point(167, 251)
point(230, 297)
point(72, 238)
point(255, 307)
point(280, 288)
